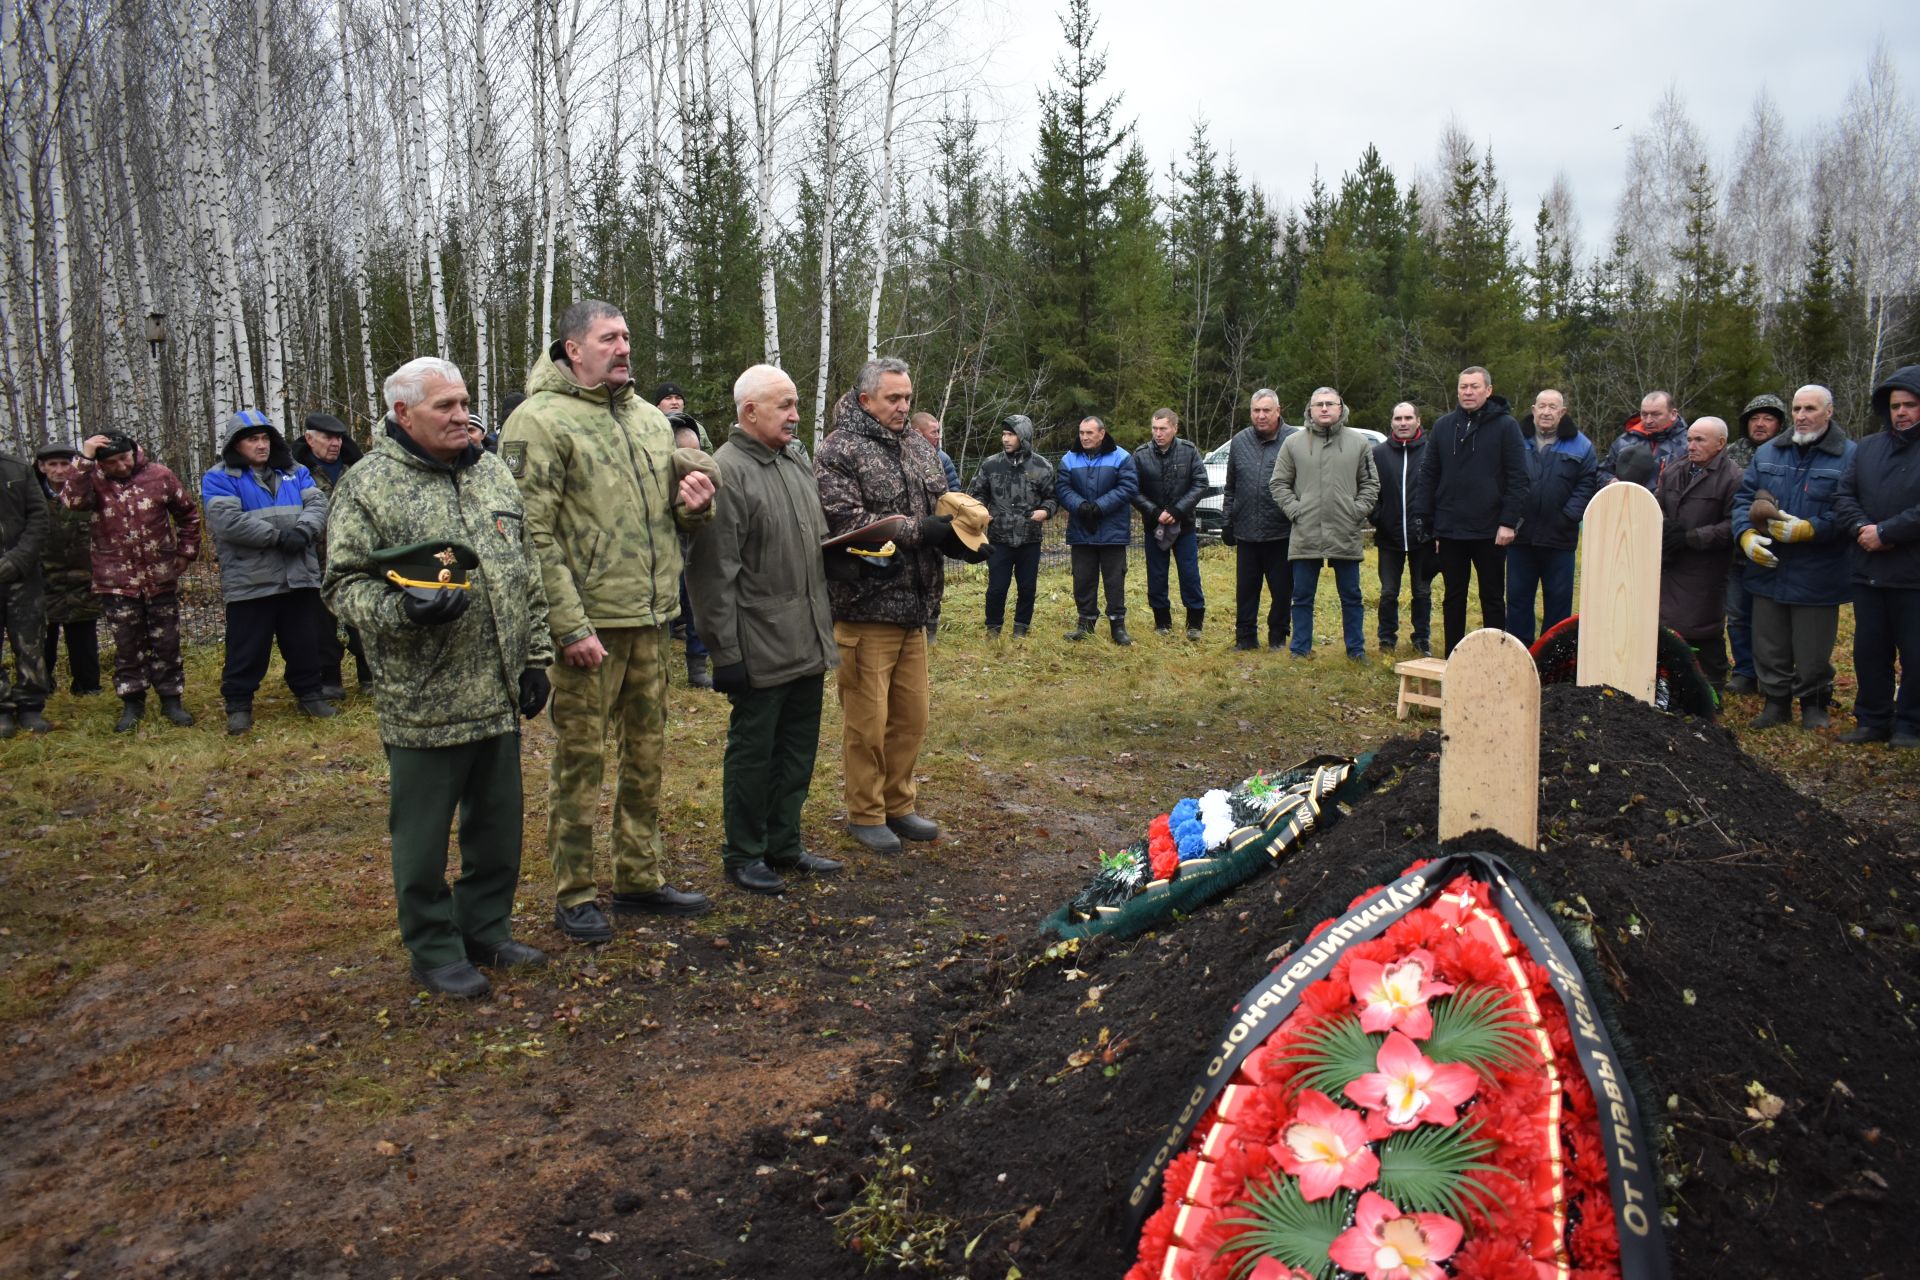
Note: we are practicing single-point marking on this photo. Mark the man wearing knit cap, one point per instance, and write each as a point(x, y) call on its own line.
point(1879, 506)
point(1016, 485)
point(1760, 422)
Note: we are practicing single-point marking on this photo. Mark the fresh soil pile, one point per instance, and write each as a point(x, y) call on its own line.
point(1756, 950)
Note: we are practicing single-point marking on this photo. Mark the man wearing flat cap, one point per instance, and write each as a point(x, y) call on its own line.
point(327, 451)
point(430, 558)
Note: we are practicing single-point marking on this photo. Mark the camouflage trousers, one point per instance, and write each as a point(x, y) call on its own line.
point(23, 616)
point(627, 696)
point(146, 644)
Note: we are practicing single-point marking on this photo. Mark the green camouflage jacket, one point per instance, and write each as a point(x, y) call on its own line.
point(596, 469)
point(460, 682)
point(67, 562)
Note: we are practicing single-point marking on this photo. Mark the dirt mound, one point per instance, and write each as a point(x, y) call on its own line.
point(1754, 946)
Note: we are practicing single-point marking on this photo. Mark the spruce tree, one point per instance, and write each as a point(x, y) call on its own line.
point(1139, 330)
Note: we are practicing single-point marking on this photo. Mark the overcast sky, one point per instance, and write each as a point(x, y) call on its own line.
point(1290, 87)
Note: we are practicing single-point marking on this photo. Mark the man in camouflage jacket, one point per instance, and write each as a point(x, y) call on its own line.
point(67, 562)
point(453, 672)
point(871, 467)
point(605, 502)
point(23, 614)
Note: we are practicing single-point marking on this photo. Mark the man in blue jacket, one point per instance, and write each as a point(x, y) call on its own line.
point(1563, 472)
point(1785, 523)
point(1095, 487)
point(1879, 506)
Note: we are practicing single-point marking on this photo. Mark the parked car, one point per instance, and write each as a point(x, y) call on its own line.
point(1207, 515)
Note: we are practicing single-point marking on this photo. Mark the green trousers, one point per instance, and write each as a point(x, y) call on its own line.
point(627, 696)
point(481, 781)
point(771, 741)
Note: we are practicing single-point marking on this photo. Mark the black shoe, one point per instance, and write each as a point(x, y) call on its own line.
point(664, 901)
point(1777, 712)
point(699, 674)
point(171, 708)
point(318, 707)
point(32, 721)
point(1118, 627)
point(459, 980)
point(582, 922)
point(993, 632)
point(506, 955)
point(7, 726)
point(1865, 733)
point(333, 693)
point(89, 692)
point(1422, 648)
point(1742, 684)
point(812, 864)
point(1813, 715)
point(757, 877)
point(1246, 644)
point(911, 826)
point(877, 836)
point(1904, 737)
point(1196, 619)
point(1387, 647)
point(1163, 621)
point(1019, 630)
point(1083, 630)
point(1276, 640)
point(239, 720)
point(132, 707)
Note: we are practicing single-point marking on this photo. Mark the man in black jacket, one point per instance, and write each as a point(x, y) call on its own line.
point(1172, 480)
point(1016, 485)
point(23, 613)
point(1253, 524)
point(1879, 505)
point(1473, 487)
point(328, 452)
point(1397, 458)
point(1563, 475)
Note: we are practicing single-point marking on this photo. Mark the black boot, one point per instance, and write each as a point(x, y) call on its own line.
point(170, 708)
point(1738, 683)
point(1019, 630)
point(32, 721)
point(1118, 626)
point(1196, 619)
point(993, 632)
point(318, 707)
point(1163, 621)
point(698, 674)
point(1813, 713)
point(239, 717)
point(1083, 630)
point(132, 707)
point(1777, 712)
point(7, 727)
point(1244, 641)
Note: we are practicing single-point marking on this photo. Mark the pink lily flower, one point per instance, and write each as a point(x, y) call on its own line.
point(1385, 1244)
point(1394, 997)
point(1325, 1147)
point(1411, 1089)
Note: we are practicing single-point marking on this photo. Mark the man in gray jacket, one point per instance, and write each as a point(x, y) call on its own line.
point(759, 588)
point(1326, 484)
point(1254, 525)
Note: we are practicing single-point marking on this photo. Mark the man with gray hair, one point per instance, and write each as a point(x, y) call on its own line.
point(1252, 523)
point(1696, 503)
point(1326, 483)
point(429, 558)
point(1785, 521)
point(759, 585)
point(606, 494)
point(870, 468)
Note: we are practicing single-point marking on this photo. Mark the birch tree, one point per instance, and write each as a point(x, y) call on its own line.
point(830, 90)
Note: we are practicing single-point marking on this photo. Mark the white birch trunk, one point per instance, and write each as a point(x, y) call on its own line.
point(23, 343)
point(66, 421)
point(273, 391)
point(882, 232)
point(220, 191)
point(543, 160)
point(147, 372)
point(766, 123)
point(830, 163)
point(358, 215)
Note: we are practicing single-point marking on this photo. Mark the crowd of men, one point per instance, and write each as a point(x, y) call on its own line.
point(478, 588)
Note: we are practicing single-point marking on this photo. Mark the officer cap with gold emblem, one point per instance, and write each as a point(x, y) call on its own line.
point(424, 569)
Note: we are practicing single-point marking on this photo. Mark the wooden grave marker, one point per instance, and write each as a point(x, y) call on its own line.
point(1490, 740)
point(1620, 590)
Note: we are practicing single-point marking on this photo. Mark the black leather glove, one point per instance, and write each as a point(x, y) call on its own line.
point(441, 609)
point(1673, 536)
point(534, 689)
point(1226, 537)
point(731, 678)
point(292, 541)
point(933, 530)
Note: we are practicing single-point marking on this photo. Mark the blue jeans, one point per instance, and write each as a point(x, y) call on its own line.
point(1005, 567)
point(1186, 556)
point(1353, 614)
point(1740, 622)
point(696, 647)
point(1542, 570)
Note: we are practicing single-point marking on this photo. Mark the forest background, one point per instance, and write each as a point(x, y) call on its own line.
point(218, 203)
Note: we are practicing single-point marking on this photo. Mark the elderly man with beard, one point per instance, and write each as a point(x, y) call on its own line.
point(1760, 422)
point(1785, 520)
point(758, 581)
point(606, 497)
point(1879, 504)
point(1397, 459)
point(873, 466)
point(456, 667)
point(1696, 499)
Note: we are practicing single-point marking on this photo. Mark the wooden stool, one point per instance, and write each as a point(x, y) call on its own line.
point(1415, 677)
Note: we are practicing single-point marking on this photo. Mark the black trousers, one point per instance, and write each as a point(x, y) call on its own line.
point(1091, 567)
point(253, 626)
point(83, 653)
point(1485, 561)
point(1255, 563)
point(1886, 627)
point(327, 646)
point(1394, 563)
point(1018, 567)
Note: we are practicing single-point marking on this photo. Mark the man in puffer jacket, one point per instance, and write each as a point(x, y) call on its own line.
point(1327, 485)
point(1252, 523)
point(1660, 428)
point(1564, 473)
point(1397, 459)
point(1172, 481)
point(1879, 506)
point(1797, 543)
point(268, 518)
point(1760, 422)
point(1016, 485)
point(1096, 486)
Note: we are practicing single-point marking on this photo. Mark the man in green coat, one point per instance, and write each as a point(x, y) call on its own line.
point(73, 611)
point(1325, 483)
point(605, 502)
point(759, 587)
point(455, 667)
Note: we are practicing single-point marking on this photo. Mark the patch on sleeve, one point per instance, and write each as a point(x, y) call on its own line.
point(514, 454)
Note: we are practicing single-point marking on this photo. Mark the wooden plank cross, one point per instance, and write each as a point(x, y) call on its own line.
point(1490, 740)
point(1620, 590)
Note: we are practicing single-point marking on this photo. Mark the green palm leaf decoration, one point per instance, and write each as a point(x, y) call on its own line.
point(1439, 1170)
point(1477, 1027)
point(1333, 1055)
point(1281, 1223)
